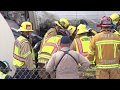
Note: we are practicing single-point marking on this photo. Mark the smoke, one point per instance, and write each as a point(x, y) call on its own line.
point(45, 21)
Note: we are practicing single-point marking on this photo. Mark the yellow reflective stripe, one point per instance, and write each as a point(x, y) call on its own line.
point(93, 62)
point(91, 52)
point(44, 56)
point(19, 58)
point(77, 48)
point(21, 38)
point(99, 52)
point(114, 42)
point(115, 47)
point(16, 50)
point(2, 75)
point(108, 66)
point(28, 53)
point(108, 42)
point(94, 59)
point(33, 54)
point(18, 63)
point(42, 61)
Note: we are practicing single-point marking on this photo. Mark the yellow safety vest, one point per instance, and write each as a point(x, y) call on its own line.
point(19, 60)
point(82, 45)
point(49, 48)
point(2, 75)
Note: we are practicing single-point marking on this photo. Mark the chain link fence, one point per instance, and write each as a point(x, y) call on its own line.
point(40, 73)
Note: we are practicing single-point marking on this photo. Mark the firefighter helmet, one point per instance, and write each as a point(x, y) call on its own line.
point(106, 22)
point(82, 29)
point(71, 29)
point(63, 23)
point(115, 17)
point(4, 67)
point(26, 27)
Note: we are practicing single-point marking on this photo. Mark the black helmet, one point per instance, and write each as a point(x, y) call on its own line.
point(4, 67)
point(82, 21)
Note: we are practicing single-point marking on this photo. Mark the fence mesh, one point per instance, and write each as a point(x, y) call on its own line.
point(40, 73)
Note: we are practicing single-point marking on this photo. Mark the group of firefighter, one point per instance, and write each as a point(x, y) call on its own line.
point(102, 48)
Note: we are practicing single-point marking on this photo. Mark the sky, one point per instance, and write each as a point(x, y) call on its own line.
point(78, 14)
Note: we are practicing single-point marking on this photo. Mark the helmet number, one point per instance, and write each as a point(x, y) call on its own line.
point(28, 27)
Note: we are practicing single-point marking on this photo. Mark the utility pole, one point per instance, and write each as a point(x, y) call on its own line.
point(33, 19)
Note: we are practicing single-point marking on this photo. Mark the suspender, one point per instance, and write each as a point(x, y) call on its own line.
point(65, 52)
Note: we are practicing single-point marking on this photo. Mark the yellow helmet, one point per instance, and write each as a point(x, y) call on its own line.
point(71, 29)
point(26, 27)
point(82, 29)
point(56, 22)
point(115, 17)
point(63, 23)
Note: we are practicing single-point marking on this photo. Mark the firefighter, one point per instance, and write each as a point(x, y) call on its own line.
point(4, 70)
point(23, 54)
point(73, 31)
point(60, 24)
point(91, 32)
point(105, 47)
point(82, 42)
point(115, 19)
point(116, 22)
point(50, 47)
point(64, 63)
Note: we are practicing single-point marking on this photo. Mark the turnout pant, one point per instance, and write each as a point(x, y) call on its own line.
point(108, 73)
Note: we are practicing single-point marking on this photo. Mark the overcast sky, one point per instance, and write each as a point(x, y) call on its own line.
point(78, 14)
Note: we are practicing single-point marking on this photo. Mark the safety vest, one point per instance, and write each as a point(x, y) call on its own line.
point(19, 59)
point(2, 75)
point(50, 47)
point(82, 45)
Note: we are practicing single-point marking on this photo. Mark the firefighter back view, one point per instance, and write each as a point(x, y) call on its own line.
point(105, 47)
point(23, 53)
point(82, 42)
point(50, 47)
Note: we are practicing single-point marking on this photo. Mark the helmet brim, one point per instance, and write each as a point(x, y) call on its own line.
point(99, 25)
point(84, 31)
point(19, 30)
point(56, 22)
